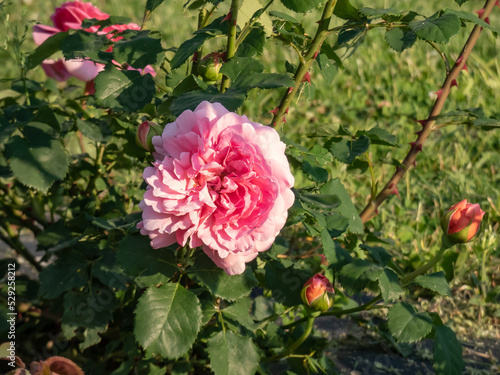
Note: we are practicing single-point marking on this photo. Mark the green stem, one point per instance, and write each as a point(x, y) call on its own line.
point(231, 40)
point(426, 267)
point(321, 33)
point(299, 341)
point(370, 305)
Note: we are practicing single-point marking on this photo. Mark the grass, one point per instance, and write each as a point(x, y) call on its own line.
point(390, 90)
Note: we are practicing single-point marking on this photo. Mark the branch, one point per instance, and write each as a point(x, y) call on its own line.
point(428, 125)
point(231, 39)
point(321, 33)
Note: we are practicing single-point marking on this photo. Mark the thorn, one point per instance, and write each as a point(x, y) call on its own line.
point(421, 122)
point(290, 90)
point(274, 111)
point(487, 20)
point(376, 211)
point(414, 163)
point(416, 146)
point(418, 133)
point(453, 83)
point(286, 110)
point(316, 54)
point(394, 190)
point(439, 92)
point(459, 61)
point(479, 12)
point(497, 3)
point(227, 18)
point(307, 78)
point(284, 119)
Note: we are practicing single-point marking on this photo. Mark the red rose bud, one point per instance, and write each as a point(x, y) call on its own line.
point(318, 293)
point(209, 67)
point(462, 221)
point(145, 133)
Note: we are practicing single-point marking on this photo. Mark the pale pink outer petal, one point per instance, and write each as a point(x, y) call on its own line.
point(56, 70)
point(233, 264)
point(84, 70)
point(42, 32)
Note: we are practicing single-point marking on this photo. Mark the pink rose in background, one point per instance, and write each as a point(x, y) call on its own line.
point(219, 181)
point(70, 16)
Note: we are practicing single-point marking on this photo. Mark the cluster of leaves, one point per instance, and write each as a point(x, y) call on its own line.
point(70, 173)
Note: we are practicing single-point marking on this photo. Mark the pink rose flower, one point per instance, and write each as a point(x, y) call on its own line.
point(219, 181)
point(68, 16)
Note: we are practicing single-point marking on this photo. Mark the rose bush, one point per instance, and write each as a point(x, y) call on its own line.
point(219, 181)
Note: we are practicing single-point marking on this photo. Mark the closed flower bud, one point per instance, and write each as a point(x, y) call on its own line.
point(318, 293)
point(145, 133)
point(462, 221)
point(209, 67)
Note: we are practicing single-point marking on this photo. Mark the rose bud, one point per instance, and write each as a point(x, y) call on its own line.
point(145, 133)
point(209, 67)
point(462, 221)
point(318, 293)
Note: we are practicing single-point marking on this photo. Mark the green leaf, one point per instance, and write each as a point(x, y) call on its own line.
point(190, 46)
point(447, 352)
point(39, 159)
point(356, 275)
point(167, 320)
point(69, 271)
point(346, 11)
point(326, 201)
point(346, 207)
point(283, 16)
point(262, 80)
point(91, 312)
point(241, 66)
point(45, 50)
point(435, 282)
point(285, 282)
point(437, 28)
point(90, 130)
point(334, 253)
point(190, 83)
point(471, 17)
point(232, 99)
point(407, 325)
point(240, 312)
point(379, 136)
point(389, 285)
point(253, 44)
point(460, 2)
point(232, 354)
point(327, 69)
point(139, 51)
point(302, 6)
point(125, 90)
point(378, 254)
point(218, 282)
point(84, 44)
point(400, 39)
point(347, 150)
point(153, 4)
point(149, 266)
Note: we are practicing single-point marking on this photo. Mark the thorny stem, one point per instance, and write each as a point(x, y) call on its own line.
point(321, 33)
point(231, 40)
point(428, 126)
